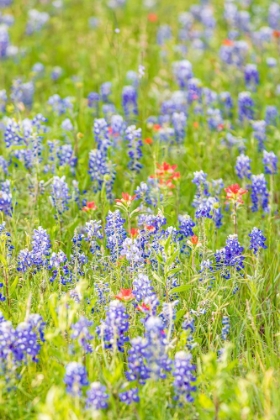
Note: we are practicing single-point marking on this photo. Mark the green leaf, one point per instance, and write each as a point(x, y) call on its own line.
point(180, 289)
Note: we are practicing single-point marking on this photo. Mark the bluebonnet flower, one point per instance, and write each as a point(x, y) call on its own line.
point(163, 34)
point(134, 139)
point(24, 261)
point(271, 115)
point(108, 110)
point(129, 102)
point(215, 120)
point(5, 198)
point(4, 41)
point(257, 240)
point(168, 314)
point(80, 331)
point(142, 287)
point(188, 325)
point(226, 102)
point(40, 247)
point(132, 252)
point(209, 96)
point(60, 105)
point(105, 91)
point(206, 268)
point(8, 337)
point(194, 87)
point(56, 73)
point(183, 72)
point(259, 132)
point(271, 62)
point(157, 359)
point(179, 121)
point(3, 100)
point(270, 161)
point(186, 225)
point(97, 397)
point(2, 297)
point(101, 134)
point(22, 93)
point(259, 193)
point(226, 327)
point(251, 76)
point(274, 15)
point(26, 343)
point(115, 233)
point(245, 106)
point(93, 232)
point(98, 168)
point(183, 377)
point(153, 221)
point(200, 180)
point(3, 165)
point(5, 236)
point(204, 209)
point(149, 192)
point(130, 396)
point(243, 167)
point(60, 194)
point(38, 325)
point(36, 21)
point(230, 256)
point(93, 101)
point(137, 361)
point(38, 68)
point(113, 329)
point(117, 127)
point(67, 125)
point(93, 22)
point(66, 156)
point(75, 378)
point(102, 290)
point(57, 262)
point(78, 258)
point(132, 78)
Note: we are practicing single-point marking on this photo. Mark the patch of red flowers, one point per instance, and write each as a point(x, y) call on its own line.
point(166, 175)
point(234, 193)
point(228, 42)
point(89, 206)
point(142, 307)
point(126, 199)
point(194, 240)
point(125, 295)
point(134, 232)
point(152, 17)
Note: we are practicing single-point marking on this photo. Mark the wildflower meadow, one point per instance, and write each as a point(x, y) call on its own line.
point(139, 209)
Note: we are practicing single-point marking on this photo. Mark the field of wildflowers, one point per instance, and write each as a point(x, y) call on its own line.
point(139, 209)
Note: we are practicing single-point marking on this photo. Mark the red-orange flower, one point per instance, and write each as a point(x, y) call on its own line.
point(134, 232)
point(152, 17)
point(228, 42)
point(142, 307)
point(194, 240)
point(89, 206)
point(148, 140)
point(126, 198)
point(156, 127)
point(166, 174)
point(125, 295)
point(234, 193)
point(276, 34)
